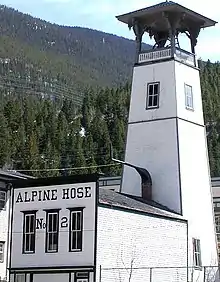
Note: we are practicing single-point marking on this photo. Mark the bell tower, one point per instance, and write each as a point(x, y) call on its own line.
point(166, 133)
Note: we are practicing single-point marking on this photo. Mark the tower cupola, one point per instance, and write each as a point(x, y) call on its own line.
point(164, 23)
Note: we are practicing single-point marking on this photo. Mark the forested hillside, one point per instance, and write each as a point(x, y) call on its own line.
point(72, 58)
point(210, 83)
point(41, 134)
point(64, 97)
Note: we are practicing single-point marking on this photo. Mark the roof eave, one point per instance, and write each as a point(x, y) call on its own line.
point(125, 18)
point(207, 22)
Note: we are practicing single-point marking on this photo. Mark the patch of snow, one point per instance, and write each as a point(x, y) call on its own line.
point(6, 61)
point(51, 43)
point(82, 132)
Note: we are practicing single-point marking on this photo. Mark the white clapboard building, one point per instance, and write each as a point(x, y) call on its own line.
point(5, 208)
point(53, 229)
point(65, 229)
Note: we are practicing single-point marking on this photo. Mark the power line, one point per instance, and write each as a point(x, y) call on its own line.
point(64, 169)
point(38, 88)
point(44, 157)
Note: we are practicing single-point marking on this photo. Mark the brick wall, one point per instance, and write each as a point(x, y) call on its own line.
point(129, 238)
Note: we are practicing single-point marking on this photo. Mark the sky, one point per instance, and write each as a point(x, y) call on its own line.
point(100, 15)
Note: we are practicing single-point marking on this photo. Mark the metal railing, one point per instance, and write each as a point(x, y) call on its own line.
point(165, 53)
point(155, 55)
point(159, 274)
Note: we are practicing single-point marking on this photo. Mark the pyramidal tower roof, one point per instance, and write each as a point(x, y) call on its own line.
point(153, 17)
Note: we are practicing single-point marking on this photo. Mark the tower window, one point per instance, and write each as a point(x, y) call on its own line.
point(153, 95)
point(52, 231)
point(188, 97)
point(197, 253)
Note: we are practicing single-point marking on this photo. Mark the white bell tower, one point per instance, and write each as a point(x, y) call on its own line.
point(166, 133)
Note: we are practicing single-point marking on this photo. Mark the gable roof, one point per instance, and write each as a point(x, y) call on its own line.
point(128, 203)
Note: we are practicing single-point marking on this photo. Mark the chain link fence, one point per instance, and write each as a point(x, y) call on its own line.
point(160, 274)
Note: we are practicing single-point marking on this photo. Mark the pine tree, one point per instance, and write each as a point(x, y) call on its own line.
point(31, 156)
point(61, 133)
point(89, 150)
point(79, 160)
point(4, 142)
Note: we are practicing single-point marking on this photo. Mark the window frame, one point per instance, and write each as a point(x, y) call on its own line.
point(197, 260)
point(75, 211)
point(33, 233)
point(2, 251)
point(190, 107)
point(153, 95)
point(5, 200)
point(48, 212)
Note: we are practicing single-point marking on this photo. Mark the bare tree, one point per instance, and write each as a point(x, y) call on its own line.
point(130, 269)
point(126, 267)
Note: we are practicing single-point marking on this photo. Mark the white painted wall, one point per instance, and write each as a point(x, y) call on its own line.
point(63, 257)
point(55, 277)
point(153, 145)
point(142, 75)
point(148, 241)
point(196, 190)
point(4, 228)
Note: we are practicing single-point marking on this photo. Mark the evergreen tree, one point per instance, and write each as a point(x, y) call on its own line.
point(89, 150)
point(79, 160)
point(4, 141)
point(31, 156)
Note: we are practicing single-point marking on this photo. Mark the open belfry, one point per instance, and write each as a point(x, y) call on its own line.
point(166, 134)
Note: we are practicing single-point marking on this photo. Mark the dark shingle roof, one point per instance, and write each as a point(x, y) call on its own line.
point(166, 6)
point(118, 200)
